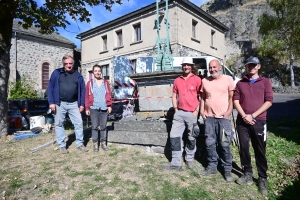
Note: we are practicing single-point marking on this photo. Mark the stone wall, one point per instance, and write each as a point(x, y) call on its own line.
point(30, 57)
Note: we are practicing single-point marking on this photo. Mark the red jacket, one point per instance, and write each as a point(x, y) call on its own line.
point(89, 96)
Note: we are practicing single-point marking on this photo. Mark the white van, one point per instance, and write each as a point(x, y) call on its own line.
point(201, 63)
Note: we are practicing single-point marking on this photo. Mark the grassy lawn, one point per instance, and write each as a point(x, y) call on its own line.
point(125, 172)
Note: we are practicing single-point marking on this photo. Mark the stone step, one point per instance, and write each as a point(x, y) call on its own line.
point(138, 137)
point(143, 126)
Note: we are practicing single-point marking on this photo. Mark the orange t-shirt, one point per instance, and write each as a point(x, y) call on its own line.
point(217, 94)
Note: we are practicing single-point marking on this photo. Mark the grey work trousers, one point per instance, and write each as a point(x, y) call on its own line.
point(98, 119)
point(181, 121)
point(218, 136)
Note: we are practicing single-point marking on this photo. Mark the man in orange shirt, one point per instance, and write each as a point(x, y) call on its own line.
point(185, 101)
point(216, 107)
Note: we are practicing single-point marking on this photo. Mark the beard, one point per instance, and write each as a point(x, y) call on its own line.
point(215, 75)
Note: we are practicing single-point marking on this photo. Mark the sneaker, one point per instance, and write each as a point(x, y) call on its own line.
point(63, 150)
point(103, 146)
point(262, 186)
point(169, 166)
point(96, 147)
point(246, 178)
point(82, 148)
point(228, 176)
point(190, 164)
point(208, 171)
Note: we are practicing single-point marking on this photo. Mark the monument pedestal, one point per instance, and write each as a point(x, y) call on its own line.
point(155, 90)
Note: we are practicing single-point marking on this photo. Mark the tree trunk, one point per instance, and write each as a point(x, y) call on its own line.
point(6, 19)
point(4, 75)
point(292, 72)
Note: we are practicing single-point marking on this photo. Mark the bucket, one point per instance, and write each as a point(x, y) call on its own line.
point(37, 121)
point(49, 120)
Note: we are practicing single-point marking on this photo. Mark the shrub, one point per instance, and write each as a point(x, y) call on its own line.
point(22, 89)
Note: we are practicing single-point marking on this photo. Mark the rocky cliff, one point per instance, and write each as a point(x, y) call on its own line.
point(241, 17)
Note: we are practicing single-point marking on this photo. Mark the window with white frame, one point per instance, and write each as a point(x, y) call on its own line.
point(133, 65)
point(119, 38)
point(104, 40)
point(137, 32)
point(212, 37)
point(105, 72)
point(194, 29)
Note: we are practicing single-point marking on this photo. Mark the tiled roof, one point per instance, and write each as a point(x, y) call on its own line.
point(34, 31)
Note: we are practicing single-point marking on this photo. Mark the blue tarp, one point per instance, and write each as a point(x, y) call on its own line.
point(21, 136)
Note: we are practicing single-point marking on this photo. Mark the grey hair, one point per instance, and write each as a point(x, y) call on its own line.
point(66, 57)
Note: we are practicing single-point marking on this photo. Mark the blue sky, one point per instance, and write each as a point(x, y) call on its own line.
point(100, 15)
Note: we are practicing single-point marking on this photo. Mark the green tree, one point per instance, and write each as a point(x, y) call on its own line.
point(51, 15)
point(281, 32)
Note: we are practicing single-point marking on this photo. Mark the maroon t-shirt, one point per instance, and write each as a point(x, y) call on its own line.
point(253, 95)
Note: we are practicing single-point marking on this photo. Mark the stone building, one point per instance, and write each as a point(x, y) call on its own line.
point(192, 32)
point(36, 55)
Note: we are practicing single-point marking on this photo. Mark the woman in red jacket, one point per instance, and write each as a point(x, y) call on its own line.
point(98, 105)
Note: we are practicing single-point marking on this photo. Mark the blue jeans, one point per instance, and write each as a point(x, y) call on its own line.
point(75, 116)
point(218, 136)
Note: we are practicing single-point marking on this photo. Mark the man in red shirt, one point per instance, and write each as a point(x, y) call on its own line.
point(252, 97)
point(185, 101)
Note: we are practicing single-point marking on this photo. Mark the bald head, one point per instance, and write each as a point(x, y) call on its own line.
point(215, 68)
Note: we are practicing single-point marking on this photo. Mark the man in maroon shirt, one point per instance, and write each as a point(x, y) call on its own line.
point(252, 97)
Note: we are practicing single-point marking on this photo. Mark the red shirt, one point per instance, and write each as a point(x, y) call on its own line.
point(187, 92)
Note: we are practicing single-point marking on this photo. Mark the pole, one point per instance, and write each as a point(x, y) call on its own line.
point(16, 56)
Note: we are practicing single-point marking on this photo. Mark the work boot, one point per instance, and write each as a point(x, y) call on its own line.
point(103, 146)
point(262, 186)
point(208, 171)
point(168, 166)
point(190, 164)
point(82, 148)
point(96, 147)
point(246, 178)
point(63, 150)
point(228, 176)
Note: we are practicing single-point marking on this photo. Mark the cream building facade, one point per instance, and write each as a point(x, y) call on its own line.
point(192, 32)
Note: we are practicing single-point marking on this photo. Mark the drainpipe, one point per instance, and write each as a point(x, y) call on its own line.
point(16, 57)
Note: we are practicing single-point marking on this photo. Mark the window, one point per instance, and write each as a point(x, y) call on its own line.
point(133, 65)
point(137, 32)
point(119, 38)
point(194, 29)
point(104, 39)
point(105, 72)
point(212, 37)
point(45, 75)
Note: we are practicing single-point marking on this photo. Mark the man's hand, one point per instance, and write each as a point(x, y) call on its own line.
point(81, 108)
point(52, 107)
point(195, 113)
point(109, 110)
point(248, 119)
point(226, 115)
point(203, 116)
point(87, 112)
